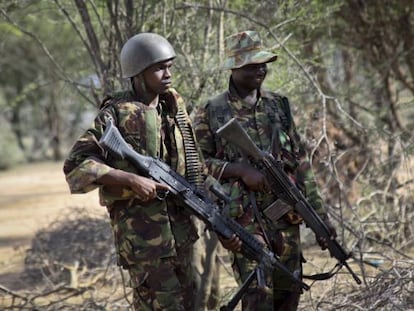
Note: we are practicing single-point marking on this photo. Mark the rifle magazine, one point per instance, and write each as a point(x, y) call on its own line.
point(277, 210)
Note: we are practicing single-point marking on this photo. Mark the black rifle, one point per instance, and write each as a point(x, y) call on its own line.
point(284, 188)
point(199, 204)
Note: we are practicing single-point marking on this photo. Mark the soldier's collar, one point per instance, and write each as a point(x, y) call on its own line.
point(234, 96)
point(266, 94)
point(169, 103)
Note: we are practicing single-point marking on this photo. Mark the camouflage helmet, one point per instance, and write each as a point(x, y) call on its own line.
point(245, 48)
point(142, 51)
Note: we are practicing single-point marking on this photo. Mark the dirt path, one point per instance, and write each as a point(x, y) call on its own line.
point(31, 197)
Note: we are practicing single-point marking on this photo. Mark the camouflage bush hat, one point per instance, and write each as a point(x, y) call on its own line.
point(245, 48)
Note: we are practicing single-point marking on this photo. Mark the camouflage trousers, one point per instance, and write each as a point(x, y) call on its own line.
point(163, 284)
point(280, 293)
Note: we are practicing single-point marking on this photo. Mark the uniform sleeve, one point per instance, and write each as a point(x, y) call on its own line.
point(86, 160)
point(206, 141)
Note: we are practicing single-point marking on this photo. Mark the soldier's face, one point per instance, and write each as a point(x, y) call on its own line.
point(250, 77)
point(158, 77)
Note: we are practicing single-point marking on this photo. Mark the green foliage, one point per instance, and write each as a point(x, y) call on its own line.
point(40, 50)
point(315, 41)
point(346, 66)
point(8, 28)
point(10, 153)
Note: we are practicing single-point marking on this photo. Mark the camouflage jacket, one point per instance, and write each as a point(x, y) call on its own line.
point(143, 231)
point(259, 121)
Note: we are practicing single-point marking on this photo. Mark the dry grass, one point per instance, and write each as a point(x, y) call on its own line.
point(47, 263)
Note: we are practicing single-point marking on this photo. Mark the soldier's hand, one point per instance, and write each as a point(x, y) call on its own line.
point(146, 188)
point(323, 243)
point(254, 179)
point(232, 244)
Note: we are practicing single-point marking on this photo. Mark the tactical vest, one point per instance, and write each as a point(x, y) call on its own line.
point(277, 109)
point(193, 166)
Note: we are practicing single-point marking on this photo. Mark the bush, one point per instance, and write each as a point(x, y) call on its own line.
point(76, 240)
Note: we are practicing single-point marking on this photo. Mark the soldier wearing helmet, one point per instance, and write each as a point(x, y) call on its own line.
point(153, 235)
point(267, 119)
point(142, 51)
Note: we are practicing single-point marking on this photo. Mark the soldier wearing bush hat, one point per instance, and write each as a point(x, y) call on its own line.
point(267, 118)
point(245, 48)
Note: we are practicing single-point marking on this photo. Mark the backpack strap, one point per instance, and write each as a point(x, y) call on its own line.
point(277, 109)
point(219, 111)
point(279, 113)
point(287, 114)
point(289, 119)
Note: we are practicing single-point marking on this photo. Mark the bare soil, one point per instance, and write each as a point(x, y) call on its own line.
point(31, 197)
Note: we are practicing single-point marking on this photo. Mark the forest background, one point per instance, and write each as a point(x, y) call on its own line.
point(347, 67)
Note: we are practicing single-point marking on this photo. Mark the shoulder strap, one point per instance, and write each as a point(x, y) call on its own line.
point(278, 110)
point(219, 111)
point(286, 111)
point(279, 114)
point(115, 98)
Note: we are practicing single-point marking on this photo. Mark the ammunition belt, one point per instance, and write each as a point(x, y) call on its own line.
point(192, 160)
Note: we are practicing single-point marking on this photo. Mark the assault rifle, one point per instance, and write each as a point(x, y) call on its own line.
point(199, 204)
point(285, 189)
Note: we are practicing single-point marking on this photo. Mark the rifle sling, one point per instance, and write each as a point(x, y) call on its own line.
point(315, 277)
point(325, 275)
point(259, 218)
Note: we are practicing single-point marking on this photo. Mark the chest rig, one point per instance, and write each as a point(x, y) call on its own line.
point(277, 110)
point(154, 139)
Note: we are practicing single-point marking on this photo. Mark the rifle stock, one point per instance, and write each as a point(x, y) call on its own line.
point(233, 133)
point(199, 204)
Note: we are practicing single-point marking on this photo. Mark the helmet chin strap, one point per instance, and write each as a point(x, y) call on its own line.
point(142, 83)
point(141, 90)
point(142, 87)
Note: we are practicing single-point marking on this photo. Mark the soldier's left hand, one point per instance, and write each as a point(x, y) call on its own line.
point(233, 243)
point(323, 243)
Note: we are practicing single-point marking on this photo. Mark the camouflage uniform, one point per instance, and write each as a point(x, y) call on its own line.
point(270, 111)
point(149, 237)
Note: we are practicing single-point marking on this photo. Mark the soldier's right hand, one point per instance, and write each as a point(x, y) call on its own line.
point(251, 177)
point(254, 179)
point(146, 188)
